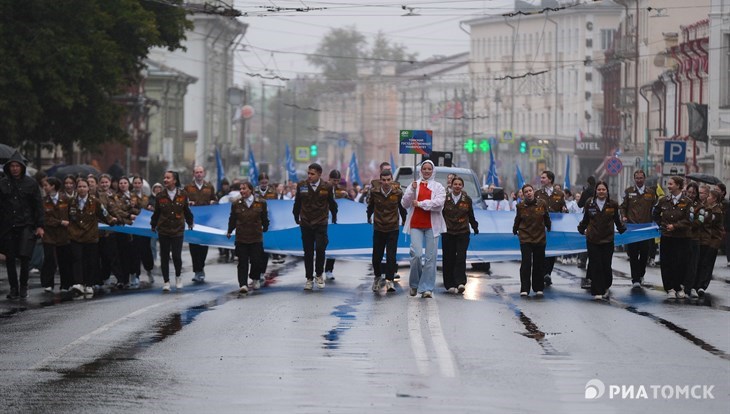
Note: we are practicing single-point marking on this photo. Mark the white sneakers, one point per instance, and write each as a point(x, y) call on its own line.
point(256, 285)
point(376, 284)
point(309, 284)
point(166, 287)
point(461, 289)
point(451, 290)
point(693, 294)
point(329, 275)
point(671, 294)
point(524, 294)
point(636, 285)
point(48, 289)
point(243, 289)
point(427, 294)
point(598, 297)
point(389, 286)
point(178, 283)
point(681, 294)
point(319, 280)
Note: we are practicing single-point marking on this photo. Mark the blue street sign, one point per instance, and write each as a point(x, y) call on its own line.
point(675, 151)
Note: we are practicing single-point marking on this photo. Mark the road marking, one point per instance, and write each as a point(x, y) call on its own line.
point(443, 354)
point(104, 328)
point(418, 345)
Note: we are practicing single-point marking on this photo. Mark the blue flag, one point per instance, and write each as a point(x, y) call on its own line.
point(520, 180)
point(492, 177)
point(219, 164)
point(354, 172)
point(566, 184)
point(393, 167)
point(253, 171)
point(291, 172)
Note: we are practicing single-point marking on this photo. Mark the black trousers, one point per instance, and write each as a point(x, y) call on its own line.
point(125, 255)
point(170, 244)
point(673, 257)
point(599, 266)
point(11, 243)
point(85, 263)
point(57, 257)
point(548, 266)
point(533, 262)
point(252, 253)
point(453, 264)
point(329, 265)
point(385, 242)
point(708, 255)
point(314, 238)
point(693, 261)
point(108, 256)
point(141, 254)
point(265, 262)
point(638, 258)
point(198, 253)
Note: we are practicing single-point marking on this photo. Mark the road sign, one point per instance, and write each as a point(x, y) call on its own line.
point(675, 151)
point(508, 136)
point(670, 169)
point(416, 141)
point(537, 152)
point(614, 166)
point(301, 153)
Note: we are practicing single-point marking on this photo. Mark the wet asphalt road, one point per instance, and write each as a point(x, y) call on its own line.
point(346, 349)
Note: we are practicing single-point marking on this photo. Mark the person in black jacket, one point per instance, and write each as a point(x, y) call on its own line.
point(21, 222)
point(587, 193)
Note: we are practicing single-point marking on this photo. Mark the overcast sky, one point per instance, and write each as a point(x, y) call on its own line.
point(279, 40)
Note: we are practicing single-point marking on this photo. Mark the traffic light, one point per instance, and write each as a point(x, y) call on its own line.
point(523, 146)
point(313, 150)
point(469, 146)
point(484, 145)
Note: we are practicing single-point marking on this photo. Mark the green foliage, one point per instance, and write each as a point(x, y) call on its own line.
point(63, 61)
point(343, 50)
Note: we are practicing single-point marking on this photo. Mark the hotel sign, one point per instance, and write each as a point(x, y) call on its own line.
point(589, 148)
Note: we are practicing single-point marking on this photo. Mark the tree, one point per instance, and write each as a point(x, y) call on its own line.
point(63, 62)
point(343, 50)
point(338, 54)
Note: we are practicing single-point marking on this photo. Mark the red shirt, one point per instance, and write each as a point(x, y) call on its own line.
point(421, 218)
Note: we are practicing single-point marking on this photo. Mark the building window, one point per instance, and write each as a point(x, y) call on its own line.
point(607, 38)
point(725, 68)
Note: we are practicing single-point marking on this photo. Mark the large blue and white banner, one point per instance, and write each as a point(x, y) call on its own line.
point(351, 237)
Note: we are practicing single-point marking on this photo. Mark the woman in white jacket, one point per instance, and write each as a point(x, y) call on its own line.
point(424, 200)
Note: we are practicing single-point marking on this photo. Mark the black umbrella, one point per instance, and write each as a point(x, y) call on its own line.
point(6, 151)
point(81, 170)
point(704, 178)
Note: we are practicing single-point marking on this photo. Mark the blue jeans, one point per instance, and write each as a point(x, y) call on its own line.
point(423, 277)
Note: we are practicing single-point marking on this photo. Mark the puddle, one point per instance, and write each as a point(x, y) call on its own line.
point(681, 331)
point(641, 295)
point(346, 315)
point(162, 330)
point(533, 331)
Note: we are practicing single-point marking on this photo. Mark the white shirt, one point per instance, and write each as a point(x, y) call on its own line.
point(600, 203)
point(549, 191)
point(200, 186)
point(315, 185)
point(456, 198)
point(82, 202)
point(171, 194)
point(249, 201)
point(641, 190)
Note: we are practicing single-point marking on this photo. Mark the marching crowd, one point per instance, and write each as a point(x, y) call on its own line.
point(64, 215)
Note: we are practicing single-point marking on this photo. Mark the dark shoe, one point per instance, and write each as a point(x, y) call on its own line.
point(585, 283)
point(548, 280)
point(23, 292)
point(13, 294)
point(581, 266)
